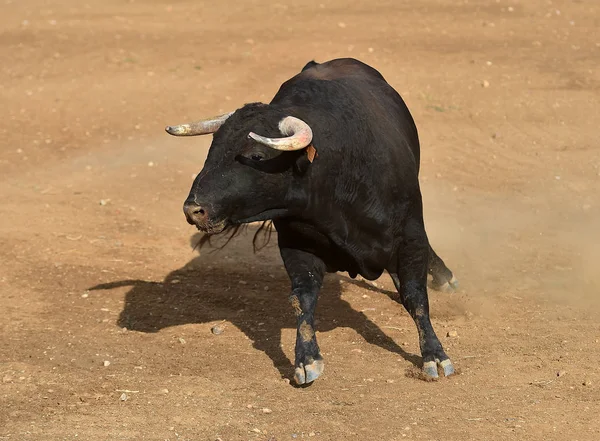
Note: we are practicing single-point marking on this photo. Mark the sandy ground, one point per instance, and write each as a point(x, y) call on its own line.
point(96, 262)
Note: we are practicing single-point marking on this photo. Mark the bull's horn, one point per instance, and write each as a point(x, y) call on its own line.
point(204, 127)
point(298, 135)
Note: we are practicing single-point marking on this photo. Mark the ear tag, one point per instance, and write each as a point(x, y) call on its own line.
point(311, 153)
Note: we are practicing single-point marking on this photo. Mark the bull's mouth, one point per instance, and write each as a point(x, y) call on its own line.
point(266, 215)
point(216, 227)
point(213, 227)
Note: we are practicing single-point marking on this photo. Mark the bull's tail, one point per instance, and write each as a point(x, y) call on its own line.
point(310, 64)
point(443, 279)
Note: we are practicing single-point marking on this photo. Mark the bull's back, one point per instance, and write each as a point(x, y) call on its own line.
point(356, 116)
point(346, 93)
point(339, 68)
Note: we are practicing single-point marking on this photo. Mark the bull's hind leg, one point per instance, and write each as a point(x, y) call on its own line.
point(443, 279)
point(410, 278)
point(306, 272)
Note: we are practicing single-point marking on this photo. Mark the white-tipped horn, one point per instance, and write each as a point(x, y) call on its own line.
point(298, 135)
point(203, 127)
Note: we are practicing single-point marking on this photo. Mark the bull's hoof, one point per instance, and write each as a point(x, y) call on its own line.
point(430, 368)
point(449, 287)
point(306, 374)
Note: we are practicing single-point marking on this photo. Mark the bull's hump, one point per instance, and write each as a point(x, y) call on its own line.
point(338, 69)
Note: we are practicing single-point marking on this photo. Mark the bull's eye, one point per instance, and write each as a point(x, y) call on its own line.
point(256, 157)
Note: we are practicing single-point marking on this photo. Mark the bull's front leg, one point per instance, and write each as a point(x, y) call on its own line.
point(306, 272)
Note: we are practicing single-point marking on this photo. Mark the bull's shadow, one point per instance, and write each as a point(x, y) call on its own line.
point(213, 287)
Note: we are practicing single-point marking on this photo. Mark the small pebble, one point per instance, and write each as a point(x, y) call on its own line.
point(218, 329)
point(85, 295)
point(452, 334)
point(587, 382)
point(311, 433)
point(266, 410)
point(181, 340)
point(151, 164)
point(485, 83)
point(561, 373)
point(106, 363)
point(242, 282)
point(256, 430)
point(123, 397)
point(104, 201)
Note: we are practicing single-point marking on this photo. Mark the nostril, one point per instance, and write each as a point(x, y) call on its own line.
point(193, 210)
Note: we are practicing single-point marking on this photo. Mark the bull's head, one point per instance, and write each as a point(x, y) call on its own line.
point(246, 176)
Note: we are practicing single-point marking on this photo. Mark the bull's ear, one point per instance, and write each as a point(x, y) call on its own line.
point(305, 160)
point(311, 153)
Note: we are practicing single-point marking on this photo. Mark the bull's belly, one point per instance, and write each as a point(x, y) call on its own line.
point(361, 253)
point(368, 265)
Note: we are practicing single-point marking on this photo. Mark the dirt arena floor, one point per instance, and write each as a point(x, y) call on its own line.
point(107, 310)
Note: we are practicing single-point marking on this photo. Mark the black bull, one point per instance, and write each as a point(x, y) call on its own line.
point(343, 195)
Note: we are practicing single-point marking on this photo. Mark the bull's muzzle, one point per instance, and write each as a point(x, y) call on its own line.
point(199, 216)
